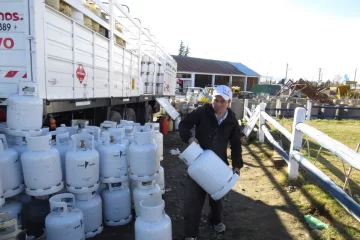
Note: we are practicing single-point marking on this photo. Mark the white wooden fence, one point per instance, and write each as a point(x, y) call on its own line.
point(295, 158)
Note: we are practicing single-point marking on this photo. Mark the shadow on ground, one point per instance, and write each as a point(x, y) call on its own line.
point(257, 207)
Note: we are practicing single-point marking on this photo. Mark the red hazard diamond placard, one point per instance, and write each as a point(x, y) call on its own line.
point(80, 73)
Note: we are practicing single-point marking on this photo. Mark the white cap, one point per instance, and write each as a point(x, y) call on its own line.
point(224, 91)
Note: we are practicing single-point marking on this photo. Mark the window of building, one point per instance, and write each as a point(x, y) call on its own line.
point(183, 75)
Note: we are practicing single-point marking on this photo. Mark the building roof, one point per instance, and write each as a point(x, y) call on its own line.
point(245, 69)
point(210, 66)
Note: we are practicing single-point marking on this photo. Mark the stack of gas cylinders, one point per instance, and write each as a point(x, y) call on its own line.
point(67, 183)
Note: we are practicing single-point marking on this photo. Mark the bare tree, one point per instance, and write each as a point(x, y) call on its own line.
point(337, 80)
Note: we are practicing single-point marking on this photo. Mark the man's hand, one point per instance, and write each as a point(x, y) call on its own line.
point(193, 139)
point(237, 171)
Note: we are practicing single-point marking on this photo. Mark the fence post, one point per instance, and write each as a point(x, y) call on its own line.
point(296, 143)
point(308, 109)
point(261, 122)
point(246, 104)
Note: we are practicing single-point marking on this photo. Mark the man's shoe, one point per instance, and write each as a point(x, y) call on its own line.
point(219, 228)
point(190, 238)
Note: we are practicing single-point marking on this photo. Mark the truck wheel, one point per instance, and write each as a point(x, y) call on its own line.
point(130, 114)
point(115, 116)
point(148, 114)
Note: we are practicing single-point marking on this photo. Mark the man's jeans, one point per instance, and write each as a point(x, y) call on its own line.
point(194, 202)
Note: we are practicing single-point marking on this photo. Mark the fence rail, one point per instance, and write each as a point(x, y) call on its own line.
point(296, 159)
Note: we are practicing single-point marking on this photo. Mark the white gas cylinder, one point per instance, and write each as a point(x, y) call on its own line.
point(119, 136)
point(153, 223)
point(92, 130)
point(79, 123)
point(144, 165)
point(41, 167)
point(113, 159)
point(208, 170)
point(144, 191)
point(91, 206)
point(129, 133)
point(11, 211)
point(63, 129)
point(82, 165)
point(24, 110)
point(159, 139)
point(18, 143)
point(63, 146)
point(117, 204)
point(64, 221)
point(104, 126)
point(10, 170)
point(161, 180)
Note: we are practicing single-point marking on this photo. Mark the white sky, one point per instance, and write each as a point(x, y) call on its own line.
point(264, 35)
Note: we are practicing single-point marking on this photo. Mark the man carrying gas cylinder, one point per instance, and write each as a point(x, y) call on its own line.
point(215, 126)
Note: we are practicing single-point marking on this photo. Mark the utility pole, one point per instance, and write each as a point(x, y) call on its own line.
point(355, 74)
point(287, 68)
point(320, 75)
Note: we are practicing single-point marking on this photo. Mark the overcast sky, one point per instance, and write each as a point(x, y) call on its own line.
point(262, 34)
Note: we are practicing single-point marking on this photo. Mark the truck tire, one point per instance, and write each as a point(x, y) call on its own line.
point(115, 116)
point(129, 114)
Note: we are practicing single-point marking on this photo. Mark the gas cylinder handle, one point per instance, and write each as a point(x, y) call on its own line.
point(61, 136)
point(3, 143)
point(82, 137)
point(105, 138)
point(57, 205)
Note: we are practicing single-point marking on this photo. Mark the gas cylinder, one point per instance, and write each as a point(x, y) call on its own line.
point(171, 125)
point(42, 167)
point(149, 125)
point(164, 125)
point(161, 180)
point(24, 110)
point(82, 165)
point(33, 215)
point(106, 125)
point(63, 128)
point(142, 155)
point(159, 139)
point(79, 123)
point(129, 133)
point(113, 159)
point(92, 130)
point(18, 143)
point(91, 206)
point(119, 136)
point(208, 170)
point(153, 223)
point(117, 204)
point(146, 190)
point(10, 170)
point(64, 221)
point(63, 145)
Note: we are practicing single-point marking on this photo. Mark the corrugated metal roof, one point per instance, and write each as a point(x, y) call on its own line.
point(190, 64)
point(200, 65)
point(245, 69)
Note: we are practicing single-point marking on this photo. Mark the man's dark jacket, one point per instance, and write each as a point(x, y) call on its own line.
point(213, 136)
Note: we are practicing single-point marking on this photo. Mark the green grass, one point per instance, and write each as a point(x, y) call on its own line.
point(311, 199)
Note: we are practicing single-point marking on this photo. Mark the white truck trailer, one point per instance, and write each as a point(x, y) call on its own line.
point(85, 59)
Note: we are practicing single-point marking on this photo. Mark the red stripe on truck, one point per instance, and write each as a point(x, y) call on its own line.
point(11, 74)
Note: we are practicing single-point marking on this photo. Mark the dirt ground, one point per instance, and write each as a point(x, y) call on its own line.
point(256, 208)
